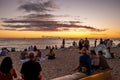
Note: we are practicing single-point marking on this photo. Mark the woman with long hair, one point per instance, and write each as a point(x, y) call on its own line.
point(7, 72)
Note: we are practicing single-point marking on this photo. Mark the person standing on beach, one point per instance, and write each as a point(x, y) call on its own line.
point(63, 43)
point(86, 43)
point(101, 41)
point(109, 45)
point(95, 43)
point(30, 70)
point(7, 72)
point(81, 41)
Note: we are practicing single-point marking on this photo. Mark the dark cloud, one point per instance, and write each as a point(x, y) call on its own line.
point(41, 7)
point(7, 29)
point(38, 25)
point(42, 21)
point(43, 16)
point(40, 16)
point(39, 22)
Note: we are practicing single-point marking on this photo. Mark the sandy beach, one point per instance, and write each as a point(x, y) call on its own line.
point(66, 60)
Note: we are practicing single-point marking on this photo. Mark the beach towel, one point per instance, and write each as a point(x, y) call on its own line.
point(24, 60)
point(41, 59)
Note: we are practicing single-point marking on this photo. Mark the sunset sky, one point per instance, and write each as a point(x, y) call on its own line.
point(60, 18)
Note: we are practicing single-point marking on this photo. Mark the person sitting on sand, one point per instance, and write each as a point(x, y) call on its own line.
point(84, 62)
point(30, 70)
point(23, 54)
point(4, 52)
point(35, 48)
point(95, 60)
point(31, 48)
point(109, 45)
point(7, 72)
point(103, 63)
point(39, 56)
point(51, 54)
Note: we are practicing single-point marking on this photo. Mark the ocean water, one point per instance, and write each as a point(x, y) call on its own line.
point(41, 43)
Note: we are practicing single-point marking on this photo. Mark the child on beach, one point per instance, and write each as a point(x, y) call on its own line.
point(7, 72)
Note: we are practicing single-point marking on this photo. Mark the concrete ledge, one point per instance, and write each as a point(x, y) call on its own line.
point(101, 75)
point(74, 76)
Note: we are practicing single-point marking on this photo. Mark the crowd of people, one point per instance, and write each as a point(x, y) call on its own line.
point(30, 69)
point(89, 61)
point(4, 51)
point(107, 42)
point(37, 53)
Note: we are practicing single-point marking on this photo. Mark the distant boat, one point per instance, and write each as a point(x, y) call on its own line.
point(50, 37)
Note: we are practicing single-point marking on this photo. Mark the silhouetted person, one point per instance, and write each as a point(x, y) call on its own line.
point(63, 43)
point(95, 43)
point(101, 41)
point(86, 43)
point(7, 72)
point(23, 54)
point(51, 54)
point(103, 63)
point(80, 44)
point(31, 70)
point(35, 48)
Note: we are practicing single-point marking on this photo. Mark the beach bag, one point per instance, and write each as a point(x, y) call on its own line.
point(83, 69)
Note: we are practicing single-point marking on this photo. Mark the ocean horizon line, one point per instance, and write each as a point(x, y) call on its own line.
point(58, 38)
